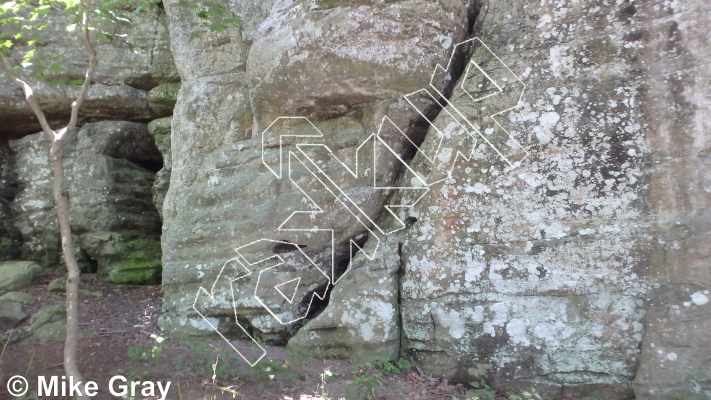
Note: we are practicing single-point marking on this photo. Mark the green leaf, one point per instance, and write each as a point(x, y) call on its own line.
point(217, 27)
point(56, 67)
point(187, 4)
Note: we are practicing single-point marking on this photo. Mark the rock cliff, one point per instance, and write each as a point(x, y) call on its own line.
point(562, 155)
point(111, 165)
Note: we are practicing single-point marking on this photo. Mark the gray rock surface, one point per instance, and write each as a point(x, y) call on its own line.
point(160, 130)
point(162, 98)
point(58, 285)
point(18, 297)
point(542, 275)
point(11, 314)
point(16, 275)
point(234, 84)
point(676, 352)
point(123, 78)
point(48, 315)
point(581, 270)
point(110, 180)
point(110, 168)
point(584, 269)
point(10, 238)
point(33, 208)
point(361, 320)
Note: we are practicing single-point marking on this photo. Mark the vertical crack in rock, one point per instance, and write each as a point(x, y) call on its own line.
point(364, 310)
point(10, 237)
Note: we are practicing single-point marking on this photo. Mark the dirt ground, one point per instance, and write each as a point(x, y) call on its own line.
point(122, 321)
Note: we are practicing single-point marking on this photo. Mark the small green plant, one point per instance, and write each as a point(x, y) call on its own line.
point(321, 389)
point(365, 383)
point(212, 17)
point(213, 388)
point(267, 371)
point(137, 354)
point(129, 396)
point(479, 391)
point(201, 352)
point(531, 394)
point(393, 368)
point(140, 354)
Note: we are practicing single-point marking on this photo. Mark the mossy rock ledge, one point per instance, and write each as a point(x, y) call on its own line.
point(126, 257)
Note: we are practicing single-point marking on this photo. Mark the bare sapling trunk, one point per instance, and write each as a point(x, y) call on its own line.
point(61, 198)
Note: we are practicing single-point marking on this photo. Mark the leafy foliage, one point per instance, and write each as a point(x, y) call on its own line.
point(531, 394)
point(480, 391)
point(26, 25)
point(393, 368)
point(212, 17)
point(365, 381)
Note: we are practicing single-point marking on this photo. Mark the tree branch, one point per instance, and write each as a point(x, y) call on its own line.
point(29, 97)
point(86, 41)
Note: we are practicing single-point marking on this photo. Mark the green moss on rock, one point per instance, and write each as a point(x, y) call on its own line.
point(126, 257)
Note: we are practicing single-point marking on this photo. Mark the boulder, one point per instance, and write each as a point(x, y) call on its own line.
point(58, 285)
point(18, 297)
point(113, 168)
point(110, 170)
point(48, 315)
point(16, 275)
point(11, 314)
point(125, 257)
point(547, 272)
point(49, 324)
point(54, 332)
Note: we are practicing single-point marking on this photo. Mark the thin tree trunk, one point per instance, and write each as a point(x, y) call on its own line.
point(61, 199)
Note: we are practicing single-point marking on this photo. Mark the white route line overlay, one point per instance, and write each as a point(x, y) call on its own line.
point(472, 129)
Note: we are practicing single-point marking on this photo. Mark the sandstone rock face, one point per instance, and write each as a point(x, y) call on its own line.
point(132, 83)
point(574, 260)
point(10, 238)
point(361, 320)
point(33, 208)
point(123, 78)
point(18, 297)
point(162, 98)
point(10, 314)
point(110, 168)
point(580, 268)
point(234, 85)
point(554, 274)
point(160, 130)
point(16, 275)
